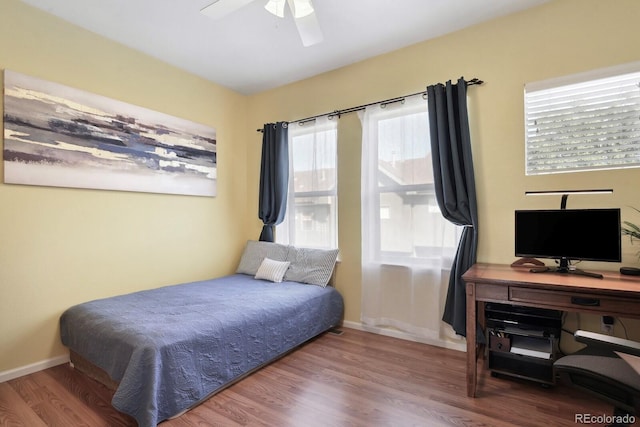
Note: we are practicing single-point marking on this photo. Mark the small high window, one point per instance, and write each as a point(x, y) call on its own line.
point(584, 122)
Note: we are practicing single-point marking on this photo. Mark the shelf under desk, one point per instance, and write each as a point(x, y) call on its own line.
point(613, 295)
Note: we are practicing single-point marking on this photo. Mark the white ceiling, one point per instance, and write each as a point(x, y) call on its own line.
point(251, 50)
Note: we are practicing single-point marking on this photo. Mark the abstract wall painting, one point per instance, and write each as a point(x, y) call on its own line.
point(59, 136)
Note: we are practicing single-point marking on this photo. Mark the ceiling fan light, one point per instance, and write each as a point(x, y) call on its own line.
point(301, 8)
point(276, 7)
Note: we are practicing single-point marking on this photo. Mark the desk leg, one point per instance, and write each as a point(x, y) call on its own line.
point(481, 319)
point(472, 365)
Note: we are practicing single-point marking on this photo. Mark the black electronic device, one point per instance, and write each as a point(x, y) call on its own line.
point(630, 271)
point(569, 235)
point(523, 341)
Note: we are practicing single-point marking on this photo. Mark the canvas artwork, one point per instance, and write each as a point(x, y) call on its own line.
point(56, 135)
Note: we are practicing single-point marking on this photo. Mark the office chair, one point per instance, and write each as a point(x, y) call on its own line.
point(598, 370)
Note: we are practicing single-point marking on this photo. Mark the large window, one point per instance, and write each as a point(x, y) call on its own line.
point(407, 245)
point(584, 122)
point(311, 218)
point(402, 222)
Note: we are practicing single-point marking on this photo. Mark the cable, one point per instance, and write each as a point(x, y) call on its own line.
point(623, 327)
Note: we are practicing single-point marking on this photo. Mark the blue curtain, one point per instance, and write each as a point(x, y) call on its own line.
point(274, 177)
point(455, 186)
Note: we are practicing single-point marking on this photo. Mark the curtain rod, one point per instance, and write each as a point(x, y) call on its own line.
point(473, 81)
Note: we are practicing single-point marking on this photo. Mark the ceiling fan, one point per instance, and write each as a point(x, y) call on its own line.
point(302, 10)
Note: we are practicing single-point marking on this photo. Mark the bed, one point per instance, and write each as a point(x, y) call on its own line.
point(167, 349)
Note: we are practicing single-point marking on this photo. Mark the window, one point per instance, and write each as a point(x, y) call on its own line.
point(312, 213)
point(584, 122)
point(402, 222)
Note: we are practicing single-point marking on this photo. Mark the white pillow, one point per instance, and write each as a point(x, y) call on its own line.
point(272, 270)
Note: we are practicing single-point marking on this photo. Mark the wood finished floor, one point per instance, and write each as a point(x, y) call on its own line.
point(353, 379)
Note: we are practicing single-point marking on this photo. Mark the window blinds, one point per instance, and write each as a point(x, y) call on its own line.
point(583, 122)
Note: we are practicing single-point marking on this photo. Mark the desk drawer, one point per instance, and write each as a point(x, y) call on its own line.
point(488, 292)
point(568, 300)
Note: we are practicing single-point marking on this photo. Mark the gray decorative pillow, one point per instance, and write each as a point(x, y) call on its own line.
point(255, 252)
point(312, 266)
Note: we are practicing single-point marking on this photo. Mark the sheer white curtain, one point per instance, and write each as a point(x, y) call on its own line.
point(407, 246)
point(311, 219)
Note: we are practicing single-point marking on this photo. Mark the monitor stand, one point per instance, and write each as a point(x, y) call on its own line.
point(563, 268)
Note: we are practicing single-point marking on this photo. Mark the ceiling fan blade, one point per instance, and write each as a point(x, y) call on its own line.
point(221, 8)
point(276, 7)
point(309, 30)
point(300, 8)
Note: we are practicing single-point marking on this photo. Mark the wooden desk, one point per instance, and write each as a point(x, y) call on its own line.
point(614, 295)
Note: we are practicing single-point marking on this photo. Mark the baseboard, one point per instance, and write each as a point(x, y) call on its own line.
point(49, 363)
point(34, 367)
point(404, 336)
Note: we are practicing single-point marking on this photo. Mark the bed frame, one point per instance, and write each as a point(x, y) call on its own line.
point(92, 371)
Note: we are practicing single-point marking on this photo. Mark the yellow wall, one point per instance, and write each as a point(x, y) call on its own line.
point(558, 38)
point(59, 247)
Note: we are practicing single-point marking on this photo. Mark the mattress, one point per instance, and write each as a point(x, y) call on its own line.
point(171, 347)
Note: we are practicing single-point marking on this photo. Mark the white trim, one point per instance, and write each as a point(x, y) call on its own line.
point(585, 76)
point(404, 336)
point(32, 368)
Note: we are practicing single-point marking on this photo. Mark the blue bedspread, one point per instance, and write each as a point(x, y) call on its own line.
point(171, 347)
